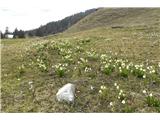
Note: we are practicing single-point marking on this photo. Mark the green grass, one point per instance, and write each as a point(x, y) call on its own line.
point(34, 69)
point(27, 86)
point(118, 18)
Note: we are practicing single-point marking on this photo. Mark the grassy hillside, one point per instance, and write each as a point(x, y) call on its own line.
point(119, 17)
point(114, 70)
point(58, 26)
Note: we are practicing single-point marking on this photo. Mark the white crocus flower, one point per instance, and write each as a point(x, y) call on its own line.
point(30, 82)
point(144, 91)
point(150, 94)
point(153, 71)
point(144, 76)
point(92, 87)
point(100, 91)
point(121, 91)
point(123, 102)
point(115, 84)
point(103, 87)
point(111, 103)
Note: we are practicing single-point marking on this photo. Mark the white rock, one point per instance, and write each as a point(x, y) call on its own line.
point(66, 93)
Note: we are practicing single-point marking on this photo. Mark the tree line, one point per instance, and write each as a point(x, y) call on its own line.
point(16, 34)
point(58, 26)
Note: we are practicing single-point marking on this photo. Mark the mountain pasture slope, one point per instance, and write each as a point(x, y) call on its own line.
point(115, 69)
point(118, 17)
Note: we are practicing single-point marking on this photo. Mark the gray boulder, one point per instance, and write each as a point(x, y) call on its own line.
point(66, 93)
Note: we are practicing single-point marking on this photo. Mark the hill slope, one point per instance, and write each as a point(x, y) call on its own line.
point(120, 17)
point(59, 26)
point(114, 70)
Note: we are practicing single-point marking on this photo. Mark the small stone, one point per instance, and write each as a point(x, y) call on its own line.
point(66, 93)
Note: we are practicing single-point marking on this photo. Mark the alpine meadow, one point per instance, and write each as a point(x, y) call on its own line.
point(110, 55)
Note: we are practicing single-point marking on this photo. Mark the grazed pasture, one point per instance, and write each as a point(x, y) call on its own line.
point(114, 70)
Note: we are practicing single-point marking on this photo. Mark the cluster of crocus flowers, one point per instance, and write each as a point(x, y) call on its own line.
point(102, 88)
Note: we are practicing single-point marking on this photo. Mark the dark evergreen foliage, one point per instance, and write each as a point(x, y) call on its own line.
point(58, 26)
point(2, 35)
point(18, 33)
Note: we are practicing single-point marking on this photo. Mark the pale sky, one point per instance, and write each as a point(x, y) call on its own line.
point(29, 14)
